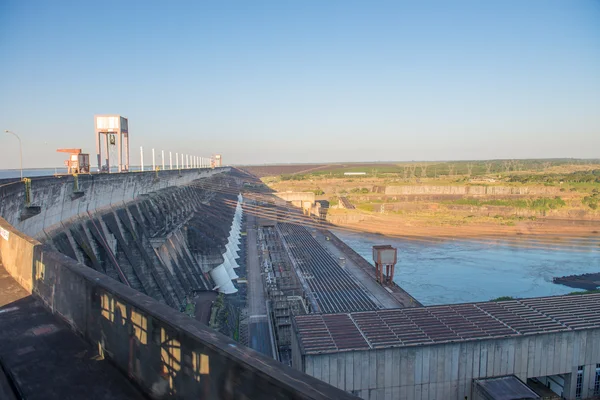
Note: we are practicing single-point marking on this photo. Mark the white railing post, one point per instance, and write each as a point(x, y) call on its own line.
point(142, 158)
point(153, 161)
point(170, 160)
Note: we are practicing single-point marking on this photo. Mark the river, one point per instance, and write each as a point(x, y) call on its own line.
point(459, 271)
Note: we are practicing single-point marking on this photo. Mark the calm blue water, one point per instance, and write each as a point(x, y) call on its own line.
point(31, 172)
point(460, 271)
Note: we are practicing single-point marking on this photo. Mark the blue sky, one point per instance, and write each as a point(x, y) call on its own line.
point(304, 81)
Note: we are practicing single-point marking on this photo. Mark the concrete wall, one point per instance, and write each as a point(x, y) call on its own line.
point(446, 371)
point(17, 252)
point(469, 190)
point(298, 197)
point(170, 355)
point(58, 205)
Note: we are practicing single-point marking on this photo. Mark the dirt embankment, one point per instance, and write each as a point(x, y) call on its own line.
point(452, 226)
point(453, 209)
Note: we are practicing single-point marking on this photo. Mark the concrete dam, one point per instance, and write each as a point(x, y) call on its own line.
point(201, 283)
point(107, 266)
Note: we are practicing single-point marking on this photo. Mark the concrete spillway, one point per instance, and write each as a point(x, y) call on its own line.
point(144, 243)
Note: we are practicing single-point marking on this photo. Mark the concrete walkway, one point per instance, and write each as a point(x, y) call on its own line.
point(6, 391)
point(45, 360)
point(259, 334)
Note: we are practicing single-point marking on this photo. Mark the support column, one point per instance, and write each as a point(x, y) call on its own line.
point(570, 384)
point(107, 153)
point(142, 158)
point(98, 151)
point(120, 151)
point(126, 149)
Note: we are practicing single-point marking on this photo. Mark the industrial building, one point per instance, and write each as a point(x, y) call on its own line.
point(443, 352)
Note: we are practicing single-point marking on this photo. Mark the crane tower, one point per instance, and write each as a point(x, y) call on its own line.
point(115, 132)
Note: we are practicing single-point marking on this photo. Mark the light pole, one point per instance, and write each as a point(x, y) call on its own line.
point(20, 150)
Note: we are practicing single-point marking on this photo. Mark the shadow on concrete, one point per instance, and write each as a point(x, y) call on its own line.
point(45, 359)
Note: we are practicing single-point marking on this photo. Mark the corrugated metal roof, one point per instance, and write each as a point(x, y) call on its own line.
point(333, 289)
point(447, 323)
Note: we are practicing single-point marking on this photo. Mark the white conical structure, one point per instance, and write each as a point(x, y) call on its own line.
point(221, 278)
point(229, 252)
point(234, 238)
point(231, 256)
point(234, 234)
point(229, 268)
point(233, 246)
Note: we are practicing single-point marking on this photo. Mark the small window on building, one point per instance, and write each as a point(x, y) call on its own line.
point(579, 384)
point(597, 381)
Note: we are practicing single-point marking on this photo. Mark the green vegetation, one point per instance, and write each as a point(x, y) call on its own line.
point(591, 201)
point(515, 171)
point(503, 298)
point(360, 190)
point(365, 207)
point(214, 311)
point(318, 192)
point(541, 204)
point(290, 177)
point(584, 292)
point(552, 179)
point(190, 309)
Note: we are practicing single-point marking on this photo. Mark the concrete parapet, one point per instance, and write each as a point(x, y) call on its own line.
point(97, 192)
point(168, 354)
point(17, 253)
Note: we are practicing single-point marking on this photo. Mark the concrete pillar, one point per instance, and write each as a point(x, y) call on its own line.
point(120, 151)
point(570, 384)
point(126, 150)
point(589, 377)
